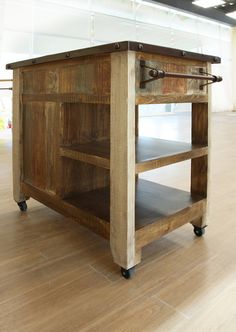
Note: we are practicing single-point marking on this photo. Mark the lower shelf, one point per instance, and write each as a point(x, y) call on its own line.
point(158, 209)
point(153, 202)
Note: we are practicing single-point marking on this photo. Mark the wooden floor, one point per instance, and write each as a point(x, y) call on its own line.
point(57, 276)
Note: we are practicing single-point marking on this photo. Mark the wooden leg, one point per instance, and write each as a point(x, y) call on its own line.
point(199, 166)
point(201, 222)
point(122, 163)
point(17, 152)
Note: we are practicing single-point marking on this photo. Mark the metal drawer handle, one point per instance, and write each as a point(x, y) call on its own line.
point(157, 74)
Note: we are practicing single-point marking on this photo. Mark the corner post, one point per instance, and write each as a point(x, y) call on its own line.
point(17, 138)
point(201, 113)
point(122, 160)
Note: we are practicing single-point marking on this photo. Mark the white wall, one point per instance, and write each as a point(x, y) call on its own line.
point(29, 28)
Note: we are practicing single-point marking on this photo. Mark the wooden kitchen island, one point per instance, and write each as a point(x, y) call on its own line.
point(76, 146)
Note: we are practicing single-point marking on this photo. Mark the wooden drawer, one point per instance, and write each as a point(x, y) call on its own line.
point(169, 89)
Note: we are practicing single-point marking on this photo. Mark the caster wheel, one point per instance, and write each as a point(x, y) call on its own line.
point(22, 206)
point(127, 274)
point(198, 231)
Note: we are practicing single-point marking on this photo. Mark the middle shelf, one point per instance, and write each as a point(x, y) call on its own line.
point(151, 153)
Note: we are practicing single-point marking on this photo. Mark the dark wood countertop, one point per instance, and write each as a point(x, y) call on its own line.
point(116, 47)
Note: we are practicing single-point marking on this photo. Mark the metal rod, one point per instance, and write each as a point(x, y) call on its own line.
point(5, 88)
point(6, 81)
point(155, 73)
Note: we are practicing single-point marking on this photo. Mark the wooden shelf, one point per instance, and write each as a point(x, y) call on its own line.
point(150, 153)
point(154, 202)
point(158, 209)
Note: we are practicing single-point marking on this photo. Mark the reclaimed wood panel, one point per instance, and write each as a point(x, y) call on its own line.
point(168, 89)
point(81, 124)
point(41, 145)
point(80, 177)
point(86, 76)
point(35, 145)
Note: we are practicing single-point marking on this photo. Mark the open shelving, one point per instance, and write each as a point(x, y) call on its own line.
point(150, 153)
point(154, 203)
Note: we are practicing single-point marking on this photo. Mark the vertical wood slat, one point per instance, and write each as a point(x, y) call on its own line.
point(199, 166)
point(122, 172)
point(199, 136)
point(17, 133)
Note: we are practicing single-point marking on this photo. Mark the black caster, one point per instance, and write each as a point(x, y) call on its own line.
point(22, 206)
point(199, 231)
point(127, 274)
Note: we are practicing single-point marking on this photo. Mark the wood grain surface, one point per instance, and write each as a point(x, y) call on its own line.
point(169, 90)
point(122, 159)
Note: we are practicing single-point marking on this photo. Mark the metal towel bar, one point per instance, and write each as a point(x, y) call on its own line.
point(156, 74)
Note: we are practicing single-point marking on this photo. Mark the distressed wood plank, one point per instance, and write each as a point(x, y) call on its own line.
point(167, 99)
point(66, 98)
point(169, 90)
point(41, 143)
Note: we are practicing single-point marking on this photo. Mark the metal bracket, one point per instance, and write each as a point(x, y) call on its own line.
point(157, 74)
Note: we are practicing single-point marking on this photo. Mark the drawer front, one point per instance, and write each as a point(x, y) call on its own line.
point(169, 89)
